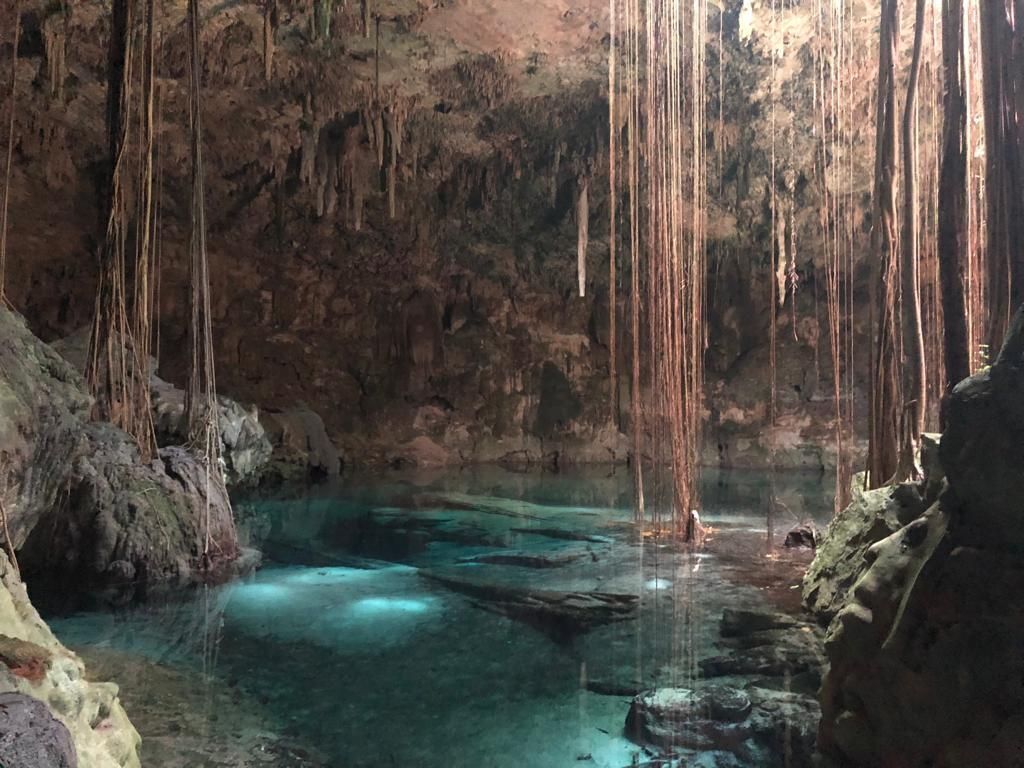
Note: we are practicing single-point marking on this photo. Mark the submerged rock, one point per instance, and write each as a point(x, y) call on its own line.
point(755, 726)
point(527, 559)
point(561, 615)
point(737, 623)
point(50, 714)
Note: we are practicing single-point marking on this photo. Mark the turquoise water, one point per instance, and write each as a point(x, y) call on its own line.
point(396, 622)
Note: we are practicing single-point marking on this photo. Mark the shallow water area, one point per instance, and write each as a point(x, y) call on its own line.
point(475, 618)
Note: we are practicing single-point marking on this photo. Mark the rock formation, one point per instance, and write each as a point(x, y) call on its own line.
point(392, 230)
point(51, 716)
point(78, 501)
point(925, 654)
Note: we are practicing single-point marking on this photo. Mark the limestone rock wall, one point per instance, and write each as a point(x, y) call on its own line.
point(392, 230)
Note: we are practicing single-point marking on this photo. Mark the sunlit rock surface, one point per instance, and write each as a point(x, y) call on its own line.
point(841, 557)
point(100, 734)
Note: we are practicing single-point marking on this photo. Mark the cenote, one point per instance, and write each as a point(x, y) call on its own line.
point(511, 383)
point(397, 620)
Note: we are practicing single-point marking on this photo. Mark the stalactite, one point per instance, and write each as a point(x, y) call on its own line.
point(54, 29)
point(270, 21)
point(582, 232)
point(555, 170)
point(393, 134)
point(323, 15)
point(379, 139)
point(310, 147)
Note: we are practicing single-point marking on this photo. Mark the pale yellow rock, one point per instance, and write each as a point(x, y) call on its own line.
point(92, 712)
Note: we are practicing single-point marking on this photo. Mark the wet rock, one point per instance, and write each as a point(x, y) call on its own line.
point(803, 536)
point(301, 447)
point(737, 623)
point(690, 718)
point(766, 660)
point(245, 447)
point(785, 724)
point(122, 519)
point(31, 737)
point(840, 558)
point(755, 726)
point(53, 715)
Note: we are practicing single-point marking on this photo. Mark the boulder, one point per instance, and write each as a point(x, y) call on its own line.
point(51, 715)
point(301, 448)
point(737, 623)
point(840, 558)
point(79, 501)
point(803, 536)
point(757, 726)
point(31, 737)
point(245, 448)
point(123, 520)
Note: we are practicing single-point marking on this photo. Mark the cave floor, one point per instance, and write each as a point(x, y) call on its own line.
point(474, 618)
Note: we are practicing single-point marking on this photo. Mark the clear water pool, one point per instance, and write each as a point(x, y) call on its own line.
point(396, 623)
